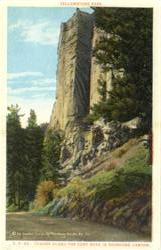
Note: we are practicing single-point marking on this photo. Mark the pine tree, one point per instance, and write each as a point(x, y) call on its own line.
point(34, 146)
point(51, 156)
point(32, 120)
point(102, 89)
point(16, 188)
point(24, 158)
point(126, 50)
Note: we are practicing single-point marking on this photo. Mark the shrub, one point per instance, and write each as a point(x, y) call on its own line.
point(31, 205)
point(91, 118)
point(76, 189)
point(12, 208)
point(103, 186)
point(132, 175)
point(44, 193)
point(111, 165)
point(121, 152)
point(124, 148)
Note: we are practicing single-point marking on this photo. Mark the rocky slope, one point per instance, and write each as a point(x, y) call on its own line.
point(78, 78)
point(119, 193)
point(84, 147)
point(105, 174)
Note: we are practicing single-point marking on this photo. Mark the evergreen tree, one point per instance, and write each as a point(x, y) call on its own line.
point(34, 146)
point(127, 50)
point(24, 158)
point(16, 187)
point(51, 156)
point(44, 127)
point(102, 89)
point(32, 120)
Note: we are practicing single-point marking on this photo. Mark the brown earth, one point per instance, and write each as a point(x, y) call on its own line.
point(28, 226)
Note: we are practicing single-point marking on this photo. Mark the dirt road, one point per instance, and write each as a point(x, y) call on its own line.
point(28, 226)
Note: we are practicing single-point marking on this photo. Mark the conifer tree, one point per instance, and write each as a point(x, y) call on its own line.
point(32, 120)
point(51, 156)
point(127, 50)
point(24, 158)
point(16, 181)
point(34, 146)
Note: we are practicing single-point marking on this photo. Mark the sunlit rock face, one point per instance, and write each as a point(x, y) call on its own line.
point(78, 73)
point(73, 73)
point(97, 72)
point(78, 76)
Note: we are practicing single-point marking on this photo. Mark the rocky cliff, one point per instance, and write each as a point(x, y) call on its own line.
point(97, 72)
point(114, 189)
point(77, 73)
point(105, 175)
point(78, 76)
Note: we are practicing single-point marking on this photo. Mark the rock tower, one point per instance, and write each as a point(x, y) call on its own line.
point(77, 72)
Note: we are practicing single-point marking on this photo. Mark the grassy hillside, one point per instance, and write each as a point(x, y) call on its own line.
point(120, 195)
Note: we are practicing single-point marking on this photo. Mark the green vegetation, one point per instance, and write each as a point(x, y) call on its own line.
point(51, 155)
point(106, 185)
point(76, 190)
point(134, 174)
point(33, 153)
point(30, 158)
point(16, 161)
point(113, 187)
point(127, 53)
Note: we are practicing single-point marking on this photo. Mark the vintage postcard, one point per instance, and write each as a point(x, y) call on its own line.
point(81, 124)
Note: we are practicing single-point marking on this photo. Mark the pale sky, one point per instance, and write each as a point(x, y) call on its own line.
point(33, 35)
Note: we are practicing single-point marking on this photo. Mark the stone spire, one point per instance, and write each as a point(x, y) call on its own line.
point(73, 72)
point(78, 73)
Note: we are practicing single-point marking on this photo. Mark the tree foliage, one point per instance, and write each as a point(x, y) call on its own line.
point(24, 150)
point(16, 184)
point(32, 120)
point(51, 156)
point(126, 50)
point(34, 147)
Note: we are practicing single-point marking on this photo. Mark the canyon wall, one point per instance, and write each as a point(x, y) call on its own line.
point(73, 73)
point(102, 163)
point(77, 73)
point(97, 72)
